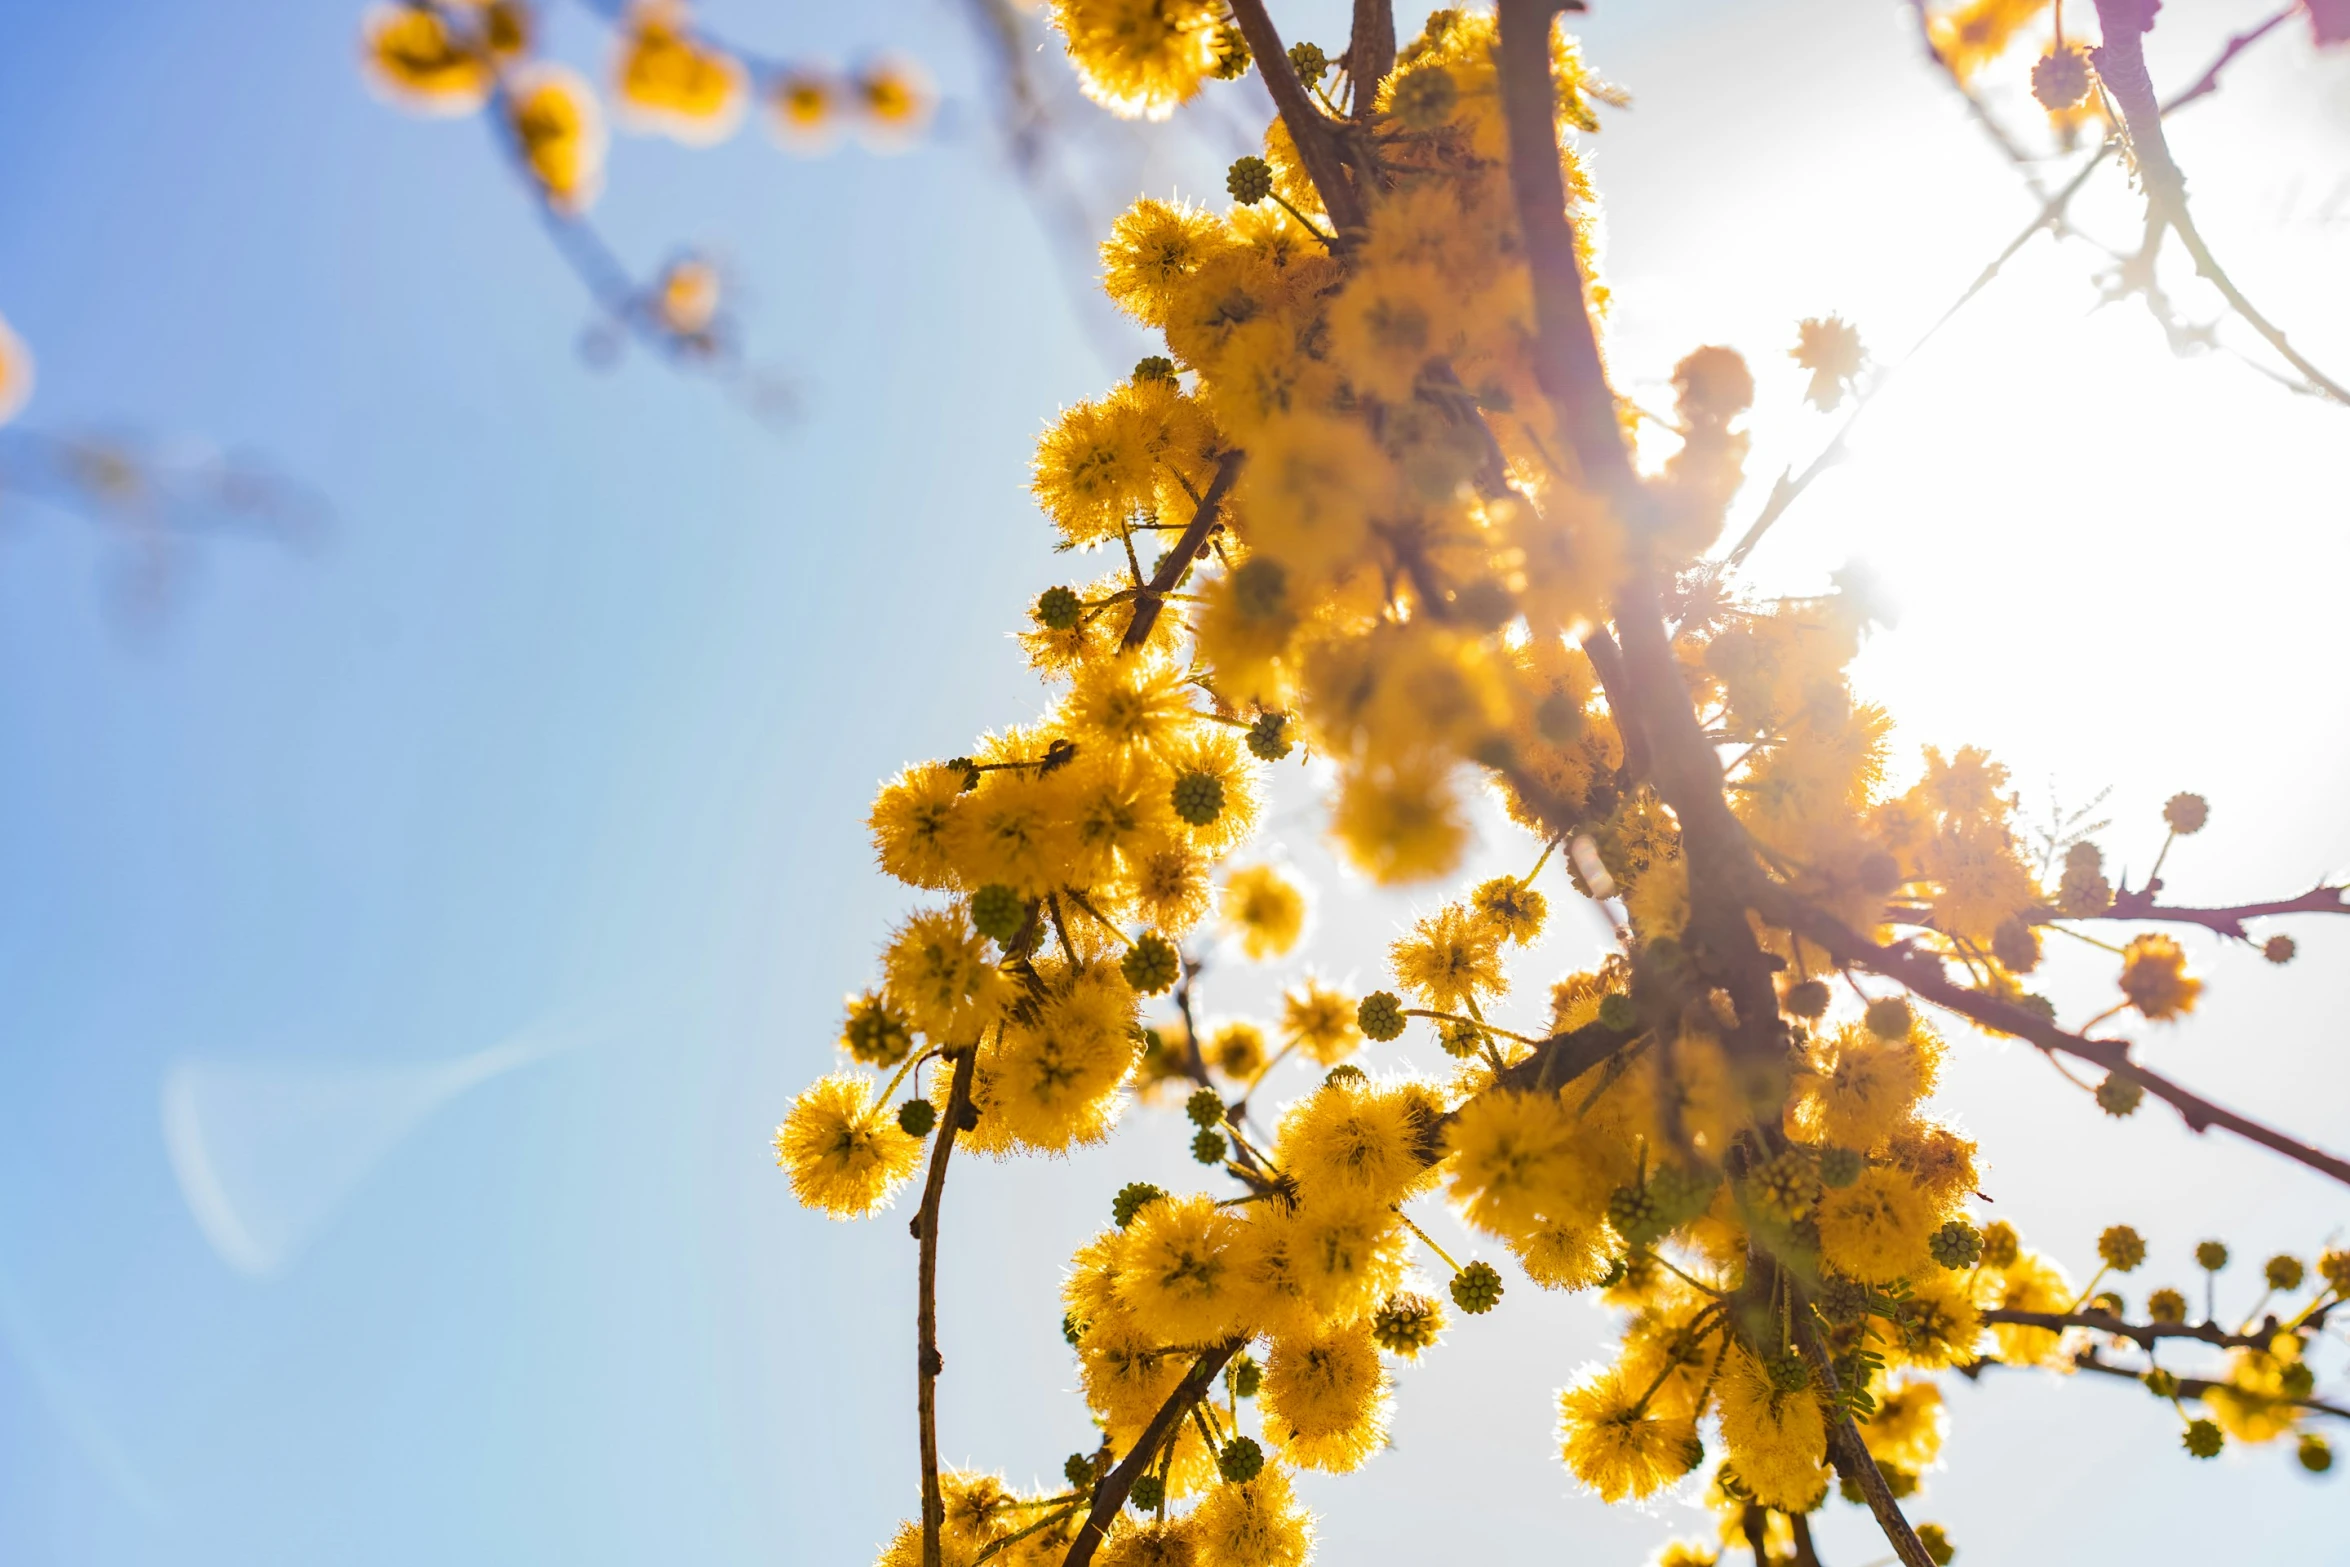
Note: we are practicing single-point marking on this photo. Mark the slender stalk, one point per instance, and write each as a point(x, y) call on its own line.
point(1851, 1455)
point(1312, 130)
point(928, 1362)
point(1110, 1494)
point(1149, 597)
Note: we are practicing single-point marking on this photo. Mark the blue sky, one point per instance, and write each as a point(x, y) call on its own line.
point(564, 735)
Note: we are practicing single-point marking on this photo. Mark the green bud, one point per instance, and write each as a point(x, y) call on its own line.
point(1151, 964)
point(916, 1117)
point(1380, 1016)
point(998, 911)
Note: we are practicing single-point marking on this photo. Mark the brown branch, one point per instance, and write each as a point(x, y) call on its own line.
point(2121, 66)
point(1189, 546)
point(1370, 54)
point(2145, 1334)
point(1309, 127)
point(928, 1362)
point(1110, 1493)
point(2189, 1387)
point(2229, 922)
point(1851, 1455)
point(1806, 1554)
point(1924, 975)
point(2208, 82)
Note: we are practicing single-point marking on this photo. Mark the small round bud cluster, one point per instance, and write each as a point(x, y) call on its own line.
point(1476, 1289)
point(1888, 1018)
point(1071, 1328)
point(2279, 949)
point(1785, 1186)
point(1636, 1215)
point(967, 767)
point(2314, 1454)
point(1199, 798)
point(1241, 1461)
point(1959, 1244)
point(2202, 1439)
point(1149, 1492)
point(2110, 1302)
point(1840, 1167)
point(2083, 891)
point(1558, 718)
point(2119, 1096)
point(2001, 1247)
point(1806, 999)
point(1936, 1540)
point(1249, 180)
point(1205, 1108)
point(1681, 1194)
point(1132, 1198)
point(2211, 1256)
point(998, 911)
point(2186, 813)
point(2060, 79)
point(1616, 1011)
point(1346, 1072)
point(1380, 1015)
point(1842, 1300)
point(2162, 1383)
point(1208, 1147)
point(2334, 1268)
point(1154, 367)
point(1424, 97)
point(1246, 1374)
point(1460, 1038)
point(1260, 588)
point(2298, 1379)
point(916, 1117)
point(2283, 1272)
point(1407, 1324)
point(1787, 1371)
point(2166, 1305)
point(1078, 1471)
point(1268, 738)
point(2121, 1248)
point(876, 1034)
point(1057, 609)
point(1308, 61)
point(1151, 964)
point(1232, 56)
point(2016, 945)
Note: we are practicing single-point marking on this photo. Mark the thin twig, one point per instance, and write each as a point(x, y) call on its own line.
point(1152, 594)
point(1309, 127)
point(1110, 1493)
point(2229, 922)
point(928, 1362)
point(2144, 1334)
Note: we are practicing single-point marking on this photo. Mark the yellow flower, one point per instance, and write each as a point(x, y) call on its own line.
point(1140, 57)
point(1855, 1088)
point(1617, 1447)
point(1176, 1273)
point(2030, 1283)
point(1325, 1398)
point(897, 99)
point(1133, 702)
point(846, 1155)
point(1094, 473)
point(1390, 321)
point(804, 111)
point(1168, 888)
point(1776, 1438)
point(1877, 1228)
point(1055, 1070)
point(1358, 1139)
point(1399, 823)
point(1972, 34)
point(1118, 815)
point(1346, 1254)
point(1307, 491)
point(1160, 1542)
point(1512, 909)
point(1830, 348)
point(937, 972)
point(1153, 247)
point(1237, 1049)
point(2253, 1404)
point(560, 132)
point(1214, 751)
point(1013, 829)
point(1563, 1256)
point(1321, 1022)
point(1126, 1373)
point(910, 820)
point(16, 373)
point(1255, 1524)
point(1939, 1323)
point(1508, 1155)
point(413, 58)
point(668, 81)
point(2155, 978)
point(1907, 1429)
point(1450, 960)
point(1265, 909)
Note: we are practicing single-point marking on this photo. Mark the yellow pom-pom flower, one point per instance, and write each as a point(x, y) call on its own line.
point(1325, 1399)
point(846, 1155)
point(1265, 909)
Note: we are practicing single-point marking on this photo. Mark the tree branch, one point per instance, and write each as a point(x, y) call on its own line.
point(1851, 1454)
point(1111, 1491)
point(2189, 1387)
point(1370, 54)
point(928, 1362)
point(2145, 1334)
point(1923, 974)
point(2121, 66)
point(1317, 144)
point(1191, 544)
point(2229, 922)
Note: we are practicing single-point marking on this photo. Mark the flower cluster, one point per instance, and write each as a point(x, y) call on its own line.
point(1349, 510)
